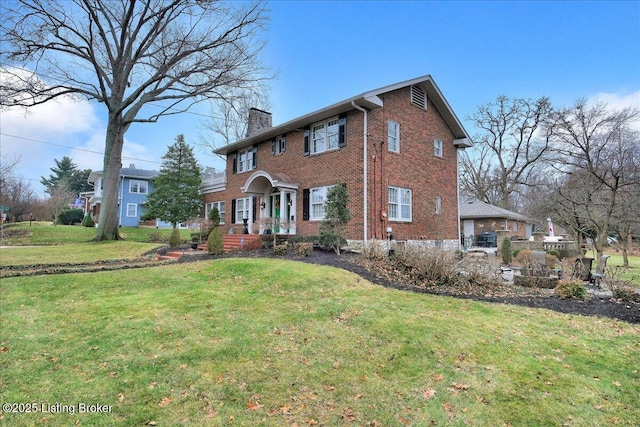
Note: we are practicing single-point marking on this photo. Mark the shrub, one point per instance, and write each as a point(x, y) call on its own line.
point(375, 250)
point(304, 248)
point(626, 294)
point(281, 249)
point(215, 245)
point(71, 216)
point(337, 216)
point(156, 236)
point(88, 221)
point(554, 253)
point(434, 266)
point(524, 256)
point(505, 250)
point(175, 239)
point(620, 288)
point(571, 289)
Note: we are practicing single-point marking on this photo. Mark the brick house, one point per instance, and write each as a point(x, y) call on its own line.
point(477, 217)
point(395, 149)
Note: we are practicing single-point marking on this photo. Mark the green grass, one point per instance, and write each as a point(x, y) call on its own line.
point(46, 233)
point(49, 244)
point(76, 253)
point(265, 342)
point(632, 273)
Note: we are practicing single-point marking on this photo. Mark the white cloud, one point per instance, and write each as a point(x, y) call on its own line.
point(618, 101)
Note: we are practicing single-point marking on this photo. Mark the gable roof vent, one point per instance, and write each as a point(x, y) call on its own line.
point(418, 97)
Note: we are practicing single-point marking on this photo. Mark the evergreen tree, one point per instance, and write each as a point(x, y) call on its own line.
point(336, 217)
point(66, 172)
point(175, 197)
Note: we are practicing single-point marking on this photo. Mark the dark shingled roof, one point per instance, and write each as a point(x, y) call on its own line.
point(477, 209)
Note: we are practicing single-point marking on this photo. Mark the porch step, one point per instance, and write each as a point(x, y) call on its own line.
point(238, 242)
point(170, 255)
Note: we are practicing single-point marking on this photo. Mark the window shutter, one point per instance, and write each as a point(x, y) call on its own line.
point(233, 211)
point(255, 157)
point(305, 204)
point(342, 130)
point(273, 146)
point(283, 146)
point(234, 159)
point(307, 151)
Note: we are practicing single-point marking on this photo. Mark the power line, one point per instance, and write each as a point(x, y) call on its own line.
point(73, 148)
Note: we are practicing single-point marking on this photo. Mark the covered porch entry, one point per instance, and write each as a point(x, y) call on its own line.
point(275, 196)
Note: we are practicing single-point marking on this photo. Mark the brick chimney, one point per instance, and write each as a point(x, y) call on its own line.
point(258, 121)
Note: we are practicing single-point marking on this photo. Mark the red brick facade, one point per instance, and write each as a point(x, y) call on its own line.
point(414, 167)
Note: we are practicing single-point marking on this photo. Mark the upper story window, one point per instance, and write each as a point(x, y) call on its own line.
point(138, 187)
point(438, 148)
point(438, 205)
point(399, 206)
point(393, 136)
point(245, 159)
point(278, 145)
point(325, 136)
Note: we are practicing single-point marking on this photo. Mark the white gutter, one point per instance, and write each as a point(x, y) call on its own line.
point(460, 247)
point(121, 195)
point(364, 172)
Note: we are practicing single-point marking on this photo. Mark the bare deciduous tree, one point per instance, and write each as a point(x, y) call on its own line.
point(593, 143)
point(141, 59)
point(228, 121)
point(516, 137)
point(60, 198)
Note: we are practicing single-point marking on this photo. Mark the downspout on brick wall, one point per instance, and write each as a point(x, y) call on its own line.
point(364, 173)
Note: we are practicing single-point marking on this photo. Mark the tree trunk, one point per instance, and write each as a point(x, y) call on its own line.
point(598, 245)
point(108, 222)
point(626, 243)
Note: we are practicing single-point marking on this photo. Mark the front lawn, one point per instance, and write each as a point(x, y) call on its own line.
point(263, 342)
point(46, 233)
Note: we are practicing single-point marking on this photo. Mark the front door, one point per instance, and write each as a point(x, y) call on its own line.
point(282, 210)
point(275, 212)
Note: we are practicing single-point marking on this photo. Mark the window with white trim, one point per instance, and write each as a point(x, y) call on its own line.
point(393, 136)
point(279, 145)
point(399, 205)
point(245, 160)
point(325, 136)
point(221, 210)
point(138, 187)
point(317, 197)
point(438, 205)
point(242, 209)
point(438, 148)
point(132, 210)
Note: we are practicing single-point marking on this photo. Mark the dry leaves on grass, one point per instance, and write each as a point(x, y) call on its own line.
point(165, 401)
point(428, 393)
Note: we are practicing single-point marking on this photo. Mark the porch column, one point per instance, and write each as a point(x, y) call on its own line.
point(283, 210)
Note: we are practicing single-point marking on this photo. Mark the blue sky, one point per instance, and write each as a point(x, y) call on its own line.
point(327, 51)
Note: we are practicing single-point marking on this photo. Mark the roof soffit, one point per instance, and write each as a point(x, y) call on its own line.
point(369, 100)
